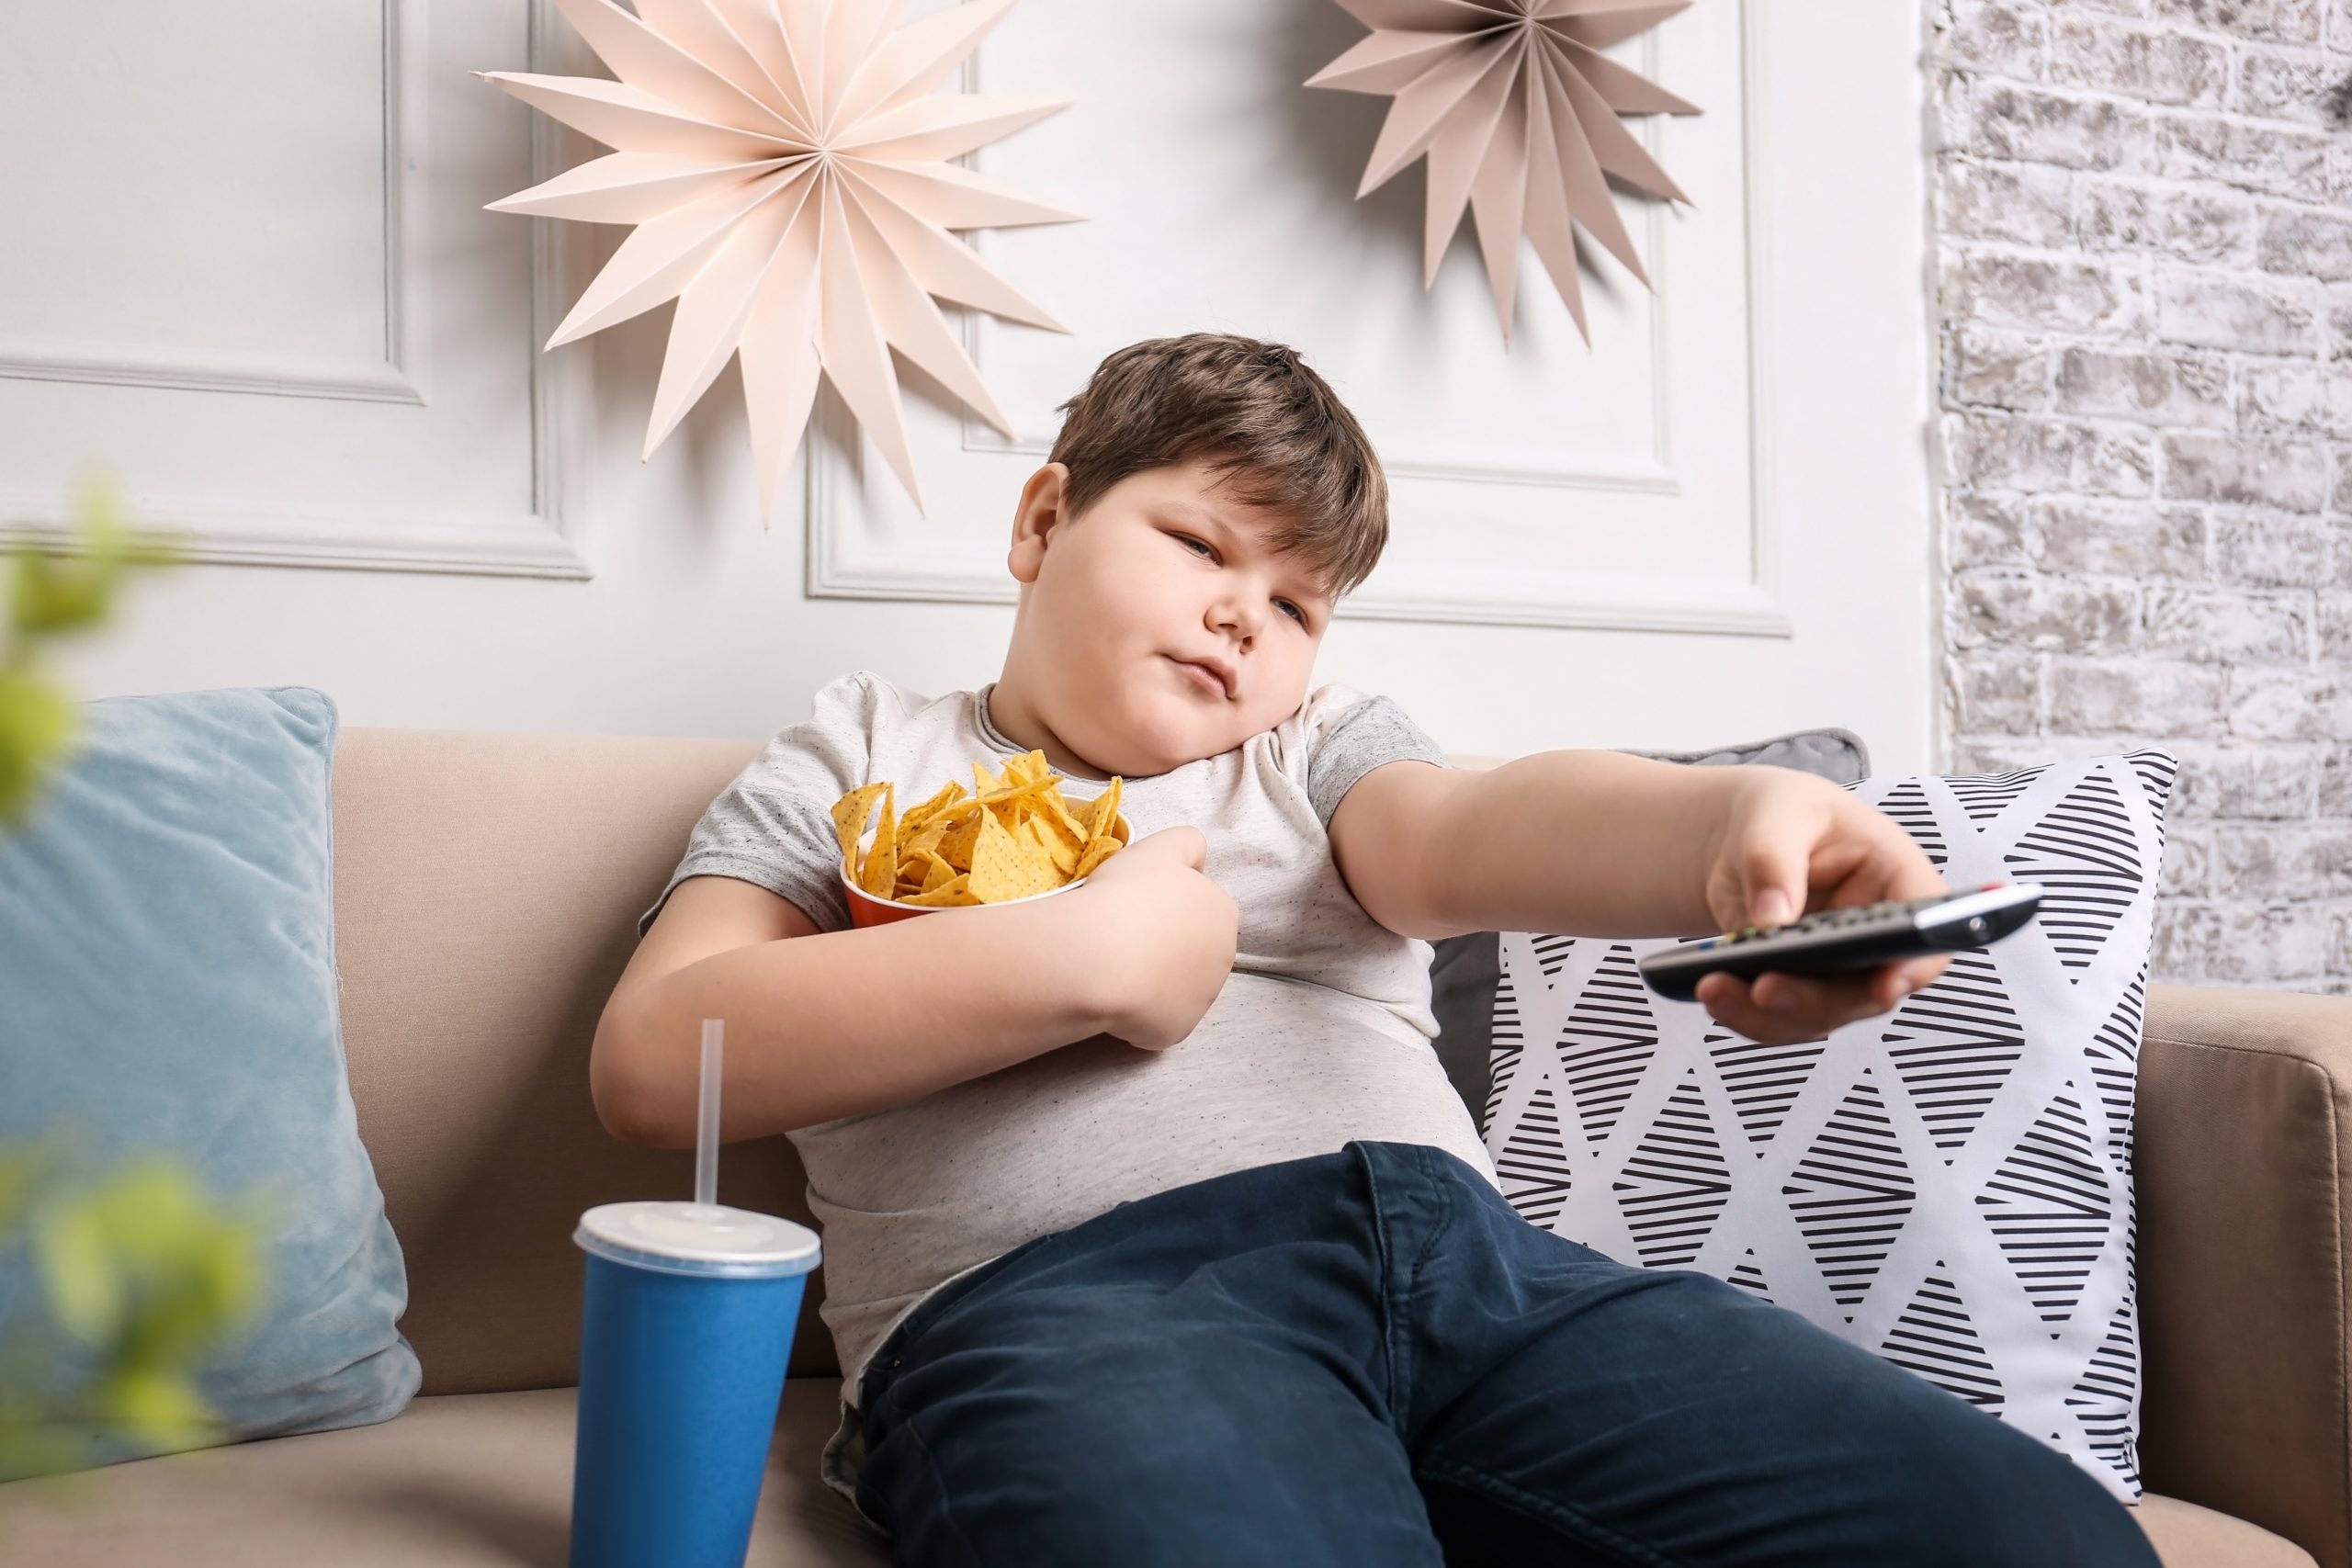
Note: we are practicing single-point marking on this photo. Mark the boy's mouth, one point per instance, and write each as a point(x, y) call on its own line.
point(1212, 675)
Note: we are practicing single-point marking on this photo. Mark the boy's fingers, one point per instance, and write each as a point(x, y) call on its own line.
point(1793, 996)
point(1782, 1009)
point(1730, 1002)
point(1186, 844)
point(1889, 873)
point(1905, 872)
point(1914, 880)
point(1923, 971)
point(1776, 882)
point(1839, 1001)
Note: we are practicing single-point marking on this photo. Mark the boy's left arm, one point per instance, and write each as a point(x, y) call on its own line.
point(1599, 843)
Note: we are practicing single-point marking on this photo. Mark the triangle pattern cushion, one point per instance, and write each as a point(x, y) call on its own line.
point(1949, 1185)
point(167, 961)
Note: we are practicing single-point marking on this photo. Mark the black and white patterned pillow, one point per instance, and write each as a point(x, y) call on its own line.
point(1949, 1185)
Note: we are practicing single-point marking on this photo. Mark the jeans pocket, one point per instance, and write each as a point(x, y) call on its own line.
point(892, 1354)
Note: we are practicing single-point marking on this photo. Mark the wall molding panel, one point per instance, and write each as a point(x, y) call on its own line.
point(858, 548)
point(214, 519)
point(383, 379)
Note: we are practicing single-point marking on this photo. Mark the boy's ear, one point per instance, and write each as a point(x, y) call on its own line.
point(1039, 513)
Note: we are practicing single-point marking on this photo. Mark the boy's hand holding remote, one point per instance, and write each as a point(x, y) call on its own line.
point(1791, 844)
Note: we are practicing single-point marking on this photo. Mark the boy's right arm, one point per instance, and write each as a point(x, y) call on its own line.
point(822, 1025)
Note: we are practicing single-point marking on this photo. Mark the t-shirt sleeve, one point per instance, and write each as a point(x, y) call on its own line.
point(1348, 735)
point(774, 826)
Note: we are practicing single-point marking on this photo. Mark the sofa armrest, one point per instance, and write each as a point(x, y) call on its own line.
point(2243, 1136)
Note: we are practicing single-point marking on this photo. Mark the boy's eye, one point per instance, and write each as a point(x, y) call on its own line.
point(1293, 611)
point(1189, 543)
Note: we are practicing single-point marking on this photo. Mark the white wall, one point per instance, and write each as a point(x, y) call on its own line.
point(1790, 308)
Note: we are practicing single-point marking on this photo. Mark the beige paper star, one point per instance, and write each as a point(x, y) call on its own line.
point(786, 165)
point(1517, 109)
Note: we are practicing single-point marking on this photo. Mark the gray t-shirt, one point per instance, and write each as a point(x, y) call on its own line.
point(1321, 1035)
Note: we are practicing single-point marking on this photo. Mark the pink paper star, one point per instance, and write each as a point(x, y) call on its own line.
point(1517, 109)
point(788, 170)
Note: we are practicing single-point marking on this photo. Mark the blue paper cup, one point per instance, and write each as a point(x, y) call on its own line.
point(688, 1324)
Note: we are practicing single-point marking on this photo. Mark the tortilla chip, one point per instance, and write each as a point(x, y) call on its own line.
point(1053, 814)
point(1015, 794)
point(882, 861)
point(1104, 838)
point(1096, 853)
point(963, 831)
point(937, 872)
point(924, 839)
point(1047, 843)
point(1003, 868)
point(922, 815)
point(850, 812)
point(949, 895)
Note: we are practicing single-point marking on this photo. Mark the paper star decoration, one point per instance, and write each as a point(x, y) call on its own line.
point(1517, 109)
point(786, 165)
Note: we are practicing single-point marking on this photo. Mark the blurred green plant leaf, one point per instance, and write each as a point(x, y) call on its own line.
point(142, 1272)
point(145, 1262)
point(21, 1168)
point(155, 1406)
point(61, 594)
point(54, 592)
point(36, 727)
point(87, 1288)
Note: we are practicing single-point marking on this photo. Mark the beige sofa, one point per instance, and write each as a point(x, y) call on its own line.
point(485, 891)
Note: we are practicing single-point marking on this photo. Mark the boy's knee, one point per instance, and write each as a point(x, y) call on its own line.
point(1975, 1493)
point(1928, 1479)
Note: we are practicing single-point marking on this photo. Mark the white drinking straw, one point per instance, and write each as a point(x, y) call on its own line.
point(714, 1046)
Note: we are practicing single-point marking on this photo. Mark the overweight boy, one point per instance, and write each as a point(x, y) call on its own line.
point(1154, 1231)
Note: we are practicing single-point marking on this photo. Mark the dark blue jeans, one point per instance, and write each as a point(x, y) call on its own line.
point(1367, 1357)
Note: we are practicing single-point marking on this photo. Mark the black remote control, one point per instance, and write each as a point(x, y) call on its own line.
point(1862, 937)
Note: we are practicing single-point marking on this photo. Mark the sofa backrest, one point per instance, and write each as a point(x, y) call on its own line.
point(487, 888)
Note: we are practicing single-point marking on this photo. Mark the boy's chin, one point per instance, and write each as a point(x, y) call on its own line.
point(1155, 745)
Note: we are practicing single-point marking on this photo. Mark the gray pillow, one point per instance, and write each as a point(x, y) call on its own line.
point(1466, 969)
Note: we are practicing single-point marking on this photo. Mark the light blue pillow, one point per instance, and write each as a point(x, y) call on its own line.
point(167, 982)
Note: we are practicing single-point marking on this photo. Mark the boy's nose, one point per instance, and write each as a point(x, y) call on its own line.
point(1232, 618)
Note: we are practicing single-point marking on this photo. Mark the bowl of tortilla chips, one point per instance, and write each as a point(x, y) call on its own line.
point(1011, 838)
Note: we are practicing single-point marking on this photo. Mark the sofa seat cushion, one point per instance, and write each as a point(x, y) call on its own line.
point(458, 1480)
point(2187, 1536)
point(484, 1481)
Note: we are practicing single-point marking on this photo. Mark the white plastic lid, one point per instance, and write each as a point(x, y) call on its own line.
point(687, 1238)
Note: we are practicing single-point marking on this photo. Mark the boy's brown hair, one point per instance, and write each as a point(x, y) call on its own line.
point(1265, 423)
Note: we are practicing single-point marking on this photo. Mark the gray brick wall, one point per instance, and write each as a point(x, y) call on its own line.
point(2143, 230)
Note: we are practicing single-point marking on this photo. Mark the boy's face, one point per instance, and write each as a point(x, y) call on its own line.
point(1156, 628)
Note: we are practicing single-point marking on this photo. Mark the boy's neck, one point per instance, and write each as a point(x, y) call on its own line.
point(1011, 717)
